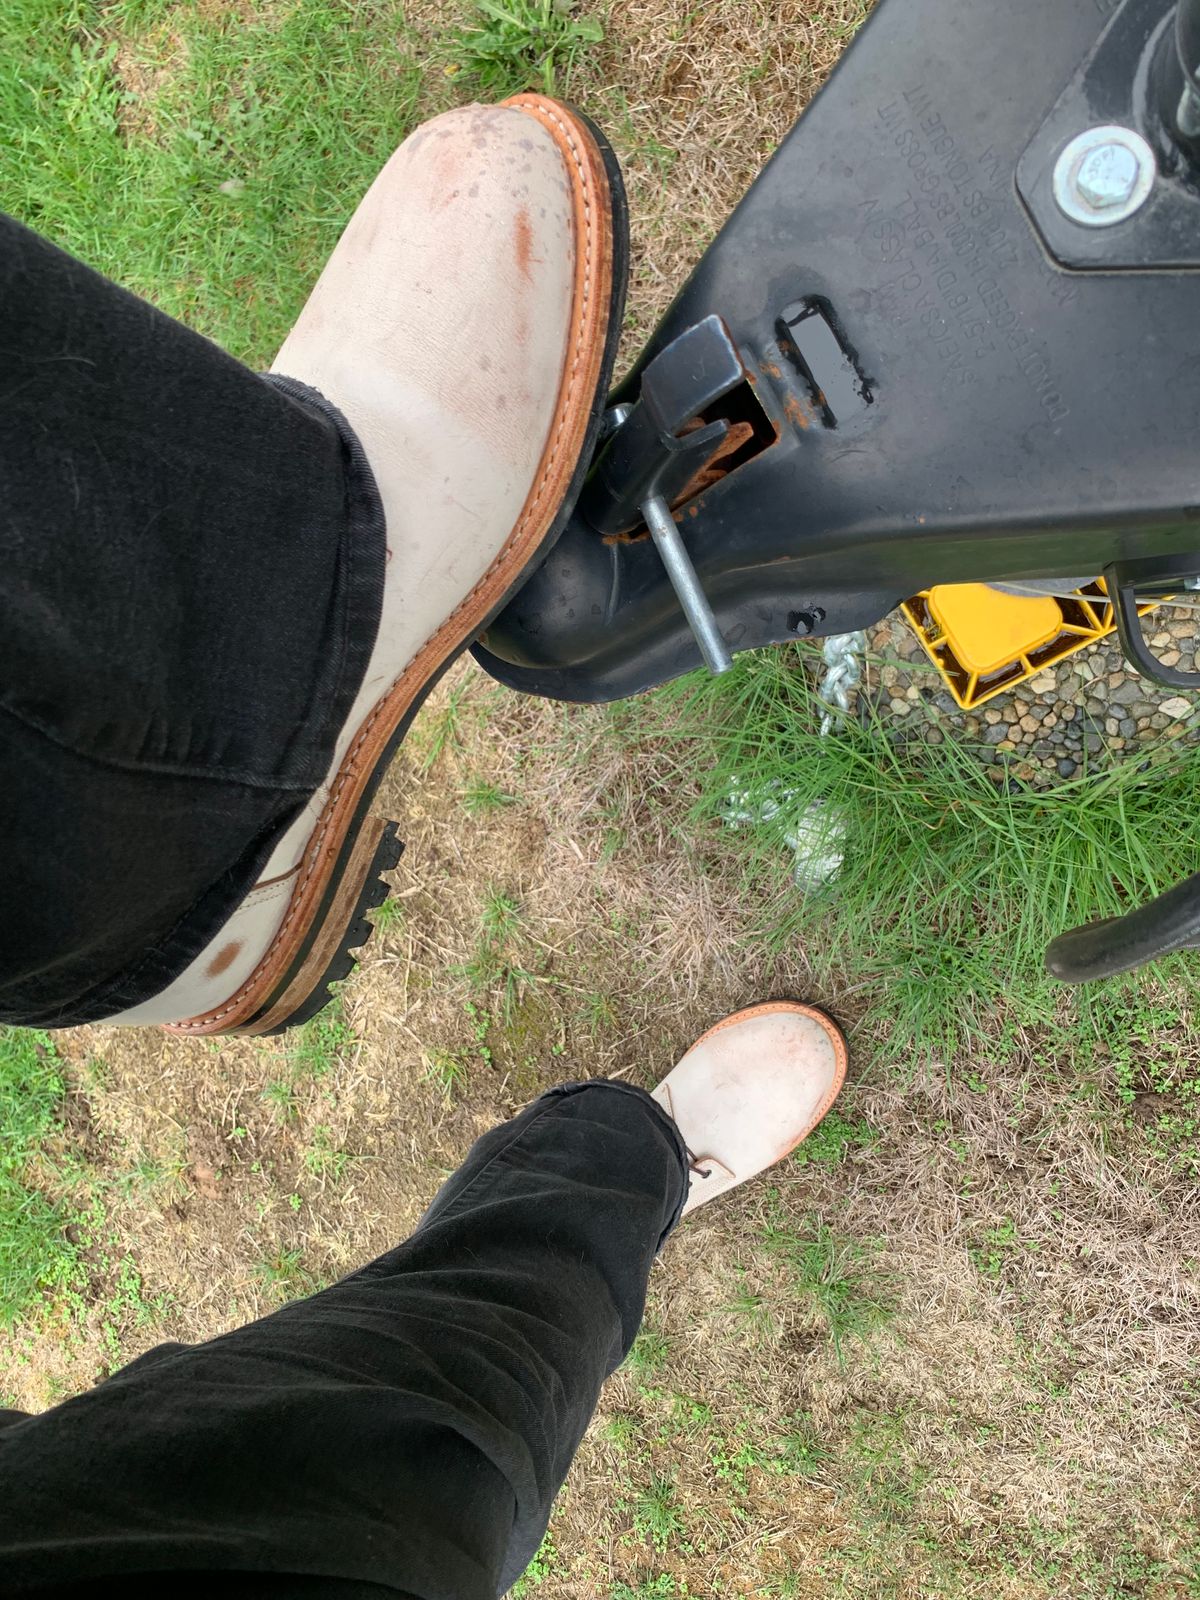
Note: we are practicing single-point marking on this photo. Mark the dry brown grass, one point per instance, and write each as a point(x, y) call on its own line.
point(696, 98)
point(1002, 1414)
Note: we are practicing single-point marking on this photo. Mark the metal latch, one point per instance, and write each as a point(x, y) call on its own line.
point(648, 462)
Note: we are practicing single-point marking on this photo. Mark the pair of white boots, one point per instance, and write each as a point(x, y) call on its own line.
point(466, 326)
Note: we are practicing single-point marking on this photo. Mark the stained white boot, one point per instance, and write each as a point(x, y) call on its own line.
point(465, 325)
point(750, 1090)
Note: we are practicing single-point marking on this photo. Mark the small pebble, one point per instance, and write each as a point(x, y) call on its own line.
point(1126, 693)
point(1067, 768)
point(1176, 706)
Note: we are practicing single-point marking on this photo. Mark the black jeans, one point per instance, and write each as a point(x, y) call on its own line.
point(191, 574)
point(407, 1428)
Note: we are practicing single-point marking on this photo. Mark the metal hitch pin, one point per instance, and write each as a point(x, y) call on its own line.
point(688, 590)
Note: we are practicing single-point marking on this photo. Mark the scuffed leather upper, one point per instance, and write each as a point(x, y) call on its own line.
point(750, 1089)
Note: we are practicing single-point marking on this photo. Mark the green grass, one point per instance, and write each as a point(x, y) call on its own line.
point(496, 965)
point(323, 1158)
point(388, 916)
point(828, 1274)
point(649, 1354)
point(538, 1570)
point(441, 729)
point(621, 1430)
point(448, 1069)
point(321, 1044)
point(207, 157)
point(660, 1587)
point(885, 1482)
point(312, 1053)
point(657, 1517)
point(220, 189)
point(1150, 1055)
point(755, 1311)
point(37, 1255)
point(799, 1450)
point(283, 1275)
point(951, 885)
point(481, 798)
point(62, 1258)
point(280, 1095)
point(997, 1247)
point(537, 43)
point(832, 1139)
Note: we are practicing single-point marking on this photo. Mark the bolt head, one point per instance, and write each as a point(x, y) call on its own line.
point(1107, 176)
point(1104, 175)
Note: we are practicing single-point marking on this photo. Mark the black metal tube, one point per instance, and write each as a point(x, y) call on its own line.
point(1187, 41)
point(1119, 944)
point(1186, 117)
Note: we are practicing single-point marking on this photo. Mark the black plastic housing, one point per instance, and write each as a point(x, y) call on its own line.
point(990, 414)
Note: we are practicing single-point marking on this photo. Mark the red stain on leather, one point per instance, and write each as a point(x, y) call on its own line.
point(524, 244)
point(225, 957)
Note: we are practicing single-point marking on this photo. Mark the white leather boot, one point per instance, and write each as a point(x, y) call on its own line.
point(750, 1090)
point(465, 325)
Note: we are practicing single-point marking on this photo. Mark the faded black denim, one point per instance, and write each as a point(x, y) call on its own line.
point(191, 576)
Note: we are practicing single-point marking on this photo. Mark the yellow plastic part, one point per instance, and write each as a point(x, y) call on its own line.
point(984, 643)
point(990, 629)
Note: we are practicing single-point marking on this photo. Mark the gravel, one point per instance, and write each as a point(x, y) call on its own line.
point(1091, 709)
